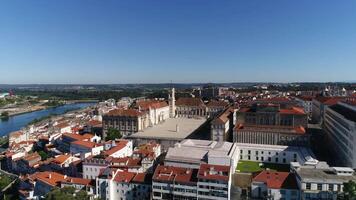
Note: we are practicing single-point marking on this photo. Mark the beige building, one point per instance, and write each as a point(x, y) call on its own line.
point(127, 121)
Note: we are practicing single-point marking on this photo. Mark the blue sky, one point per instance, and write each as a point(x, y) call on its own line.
point(155, 41)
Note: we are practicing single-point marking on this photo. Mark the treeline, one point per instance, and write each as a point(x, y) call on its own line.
point(83, 94)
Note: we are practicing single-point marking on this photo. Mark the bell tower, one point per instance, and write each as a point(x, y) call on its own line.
point(172, 103)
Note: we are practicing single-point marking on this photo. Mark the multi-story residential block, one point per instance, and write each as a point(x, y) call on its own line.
point(116, 184)
point(174, 183)
point(307, 103)
point(85, 148)
point(42, 183)
point(207, 182)
point(93, 165)
point(62, 128)
point(221, 127)
point(26, 164)
point(340, 126)
point(18, 136)
point(321, 181)
point(127, 121)
point(275, 185)
point(68, 138)
point(119, 149)
point(319, 105)
point(214, 182)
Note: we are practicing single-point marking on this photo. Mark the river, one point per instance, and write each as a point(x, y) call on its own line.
point(17, 122)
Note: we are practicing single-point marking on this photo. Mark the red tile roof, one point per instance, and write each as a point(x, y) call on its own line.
point(124, 176)
point(223, 117)
point(272, 128)
point(62, 125)
point(85, 144)
point(77, 136)
point(146, 105)
point(214, 172)
point(329, 100)
point(277, 180)
point(61, 159)
point(125, 112)
point(293, 110)
point(51, 178)
point(77, 181)
point(119, 145)
point(174, 174)
point(186, 101)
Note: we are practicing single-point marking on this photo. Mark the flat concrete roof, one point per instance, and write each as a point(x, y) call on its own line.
point(167, 129)
point(196, 151)
point(322, 175)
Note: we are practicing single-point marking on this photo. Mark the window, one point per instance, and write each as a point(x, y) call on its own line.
point(331, 187)
point(308, 186)
point(276, 160)
point(249, 152)
point(319, 186)
point(284, 160)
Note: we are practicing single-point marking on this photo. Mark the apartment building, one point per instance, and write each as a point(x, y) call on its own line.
point(340, 126)
point(174, 183)
point(321, 181)
point(222, 125)
point(275, 185)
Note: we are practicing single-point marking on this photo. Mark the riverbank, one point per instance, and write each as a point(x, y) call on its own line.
point(19, 121)
point(24, 110)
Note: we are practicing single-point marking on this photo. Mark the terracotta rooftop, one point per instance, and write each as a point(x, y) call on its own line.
point(77, 181)
point(214, 172)
point(329, 100)
point(223, 117)
point(51, 178)
point(187, 101)
point(175, 174)
point(145, 105)
point(294, 110)
point(61, 158)
point(62, 125)
point(272, 128)
point(78, 136)
point(119, 145)
point(86, 144)
point(124, 112)
point(277, 180)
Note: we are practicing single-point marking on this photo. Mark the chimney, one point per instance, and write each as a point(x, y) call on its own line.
point(50, 176)
point(65, 176)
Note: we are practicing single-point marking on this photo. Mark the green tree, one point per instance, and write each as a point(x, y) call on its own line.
point(43, 155)
point(113, 134)
point(5, 114)
point(67, 193)
point(349, 191)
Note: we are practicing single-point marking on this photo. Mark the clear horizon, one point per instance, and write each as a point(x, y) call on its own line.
point(148, 42)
